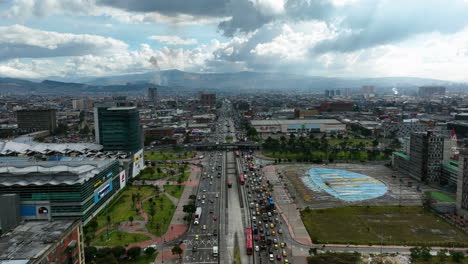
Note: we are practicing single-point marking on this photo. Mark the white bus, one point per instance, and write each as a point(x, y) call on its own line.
point(198, 213)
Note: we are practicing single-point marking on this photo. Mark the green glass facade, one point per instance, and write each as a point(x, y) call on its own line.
point(71, 201)
point(118, 129)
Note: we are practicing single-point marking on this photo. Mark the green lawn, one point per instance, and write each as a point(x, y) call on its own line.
point(117, 238)
point(169, 155)
point(160, 171)
point(183, 177)
point(365, 225)
point(228, 139)
point(439, 196)
point(121, 207)
point(164, 210)
point(174, 190)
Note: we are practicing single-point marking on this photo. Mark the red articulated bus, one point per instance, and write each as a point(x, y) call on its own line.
point(249, 242)
point(241, 179)
point(237, 153)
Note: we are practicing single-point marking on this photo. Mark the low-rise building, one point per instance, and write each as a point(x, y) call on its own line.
point(43, 242)
point(298, 126)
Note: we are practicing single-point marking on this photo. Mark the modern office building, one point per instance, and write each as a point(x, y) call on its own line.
point(82, 104)
point(428, 91)
point(43, 242)
point(118, 128)
point(153, 95)
point(50, 190)
point(428, 152)
point(36, 120)
point(462, 185)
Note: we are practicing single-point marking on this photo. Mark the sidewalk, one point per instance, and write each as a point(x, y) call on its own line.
point(287, 208)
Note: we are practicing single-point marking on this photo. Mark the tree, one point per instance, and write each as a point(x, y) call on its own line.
point(192, 197)
point(90, 253)
point(134, 252)
point(177, 250)
point(149, 251)
point(118, 251)
point(189, 208)
point(457, 256)
point(442, 254)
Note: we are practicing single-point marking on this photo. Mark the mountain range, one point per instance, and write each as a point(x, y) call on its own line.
point(174, 80)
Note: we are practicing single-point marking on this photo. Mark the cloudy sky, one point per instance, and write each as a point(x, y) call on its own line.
point(345, 38)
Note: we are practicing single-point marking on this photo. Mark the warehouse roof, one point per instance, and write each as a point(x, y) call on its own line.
point(271, 122)
point(28, 242)
point(50, 172)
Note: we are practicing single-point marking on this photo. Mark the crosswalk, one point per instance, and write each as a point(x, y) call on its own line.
point(199, 243)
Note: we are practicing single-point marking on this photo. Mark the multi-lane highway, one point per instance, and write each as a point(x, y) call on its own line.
point(226, 212)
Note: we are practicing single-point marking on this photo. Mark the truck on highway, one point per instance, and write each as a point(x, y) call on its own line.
point(197, 217)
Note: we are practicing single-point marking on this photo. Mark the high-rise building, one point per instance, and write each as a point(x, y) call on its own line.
point(462, 185)
point(35, 120)
point(337, 92)
point(428, 91)
point(82, 104)
point(118, 128)
point(153, 94)
point(207, 99)
point(428, 151)
point(368, 89)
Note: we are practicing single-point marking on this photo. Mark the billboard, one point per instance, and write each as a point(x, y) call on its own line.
point(102, 192)
point(123, 180)
point(138, 163)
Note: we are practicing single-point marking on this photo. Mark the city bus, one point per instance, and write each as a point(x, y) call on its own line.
point(249, 242)
point(241, 179)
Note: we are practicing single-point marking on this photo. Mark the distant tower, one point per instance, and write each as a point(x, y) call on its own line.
point(153, 95)
point(338, 92)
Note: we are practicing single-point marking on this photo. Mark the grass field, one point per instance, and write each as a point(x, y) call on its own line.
point(121, 207)
point(169, 155)
point(439, 196)
point(174, 190)
point(117, 238)
point(164, 209)
point(160, 171)
point(183, 177)
point(365, 226)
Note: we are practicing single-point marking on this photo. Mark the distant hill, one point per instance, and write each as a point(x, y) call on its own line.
point(175, 80)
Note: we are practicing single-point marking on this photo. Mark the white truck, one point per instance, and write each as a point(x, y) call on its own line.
point(197, 217)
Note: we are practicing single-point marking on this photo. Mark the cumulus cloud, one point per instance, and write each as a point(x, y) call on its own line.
point(22, 42)
point(371, 23)
point(174, 40)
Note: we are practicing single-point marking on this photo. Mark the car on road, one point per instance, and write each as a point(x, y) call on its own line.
point(257, 248)
point(272, 226)
point(215, 217)
point(204, 190)
point(284, 253)
point(283, 245)
point(204, 227)
point(276, 246)
point(196, 237)
point(194, 249)
point(280, 231)
point(278, 257)
point(286, 261)
point(215, 232)
point(255, 238)
point(273, 233)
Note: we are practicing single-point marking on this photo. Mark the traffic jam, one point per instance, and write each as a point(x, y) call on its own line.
point(265, 236)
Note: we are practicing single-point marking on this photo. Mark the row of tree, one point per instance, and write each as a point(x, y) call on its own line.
point(114, 255)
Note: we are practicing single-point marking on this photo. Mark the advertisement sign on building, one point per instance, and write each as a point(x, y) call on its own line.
point(123, 180)
point(102, 192)
point(138, 163)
